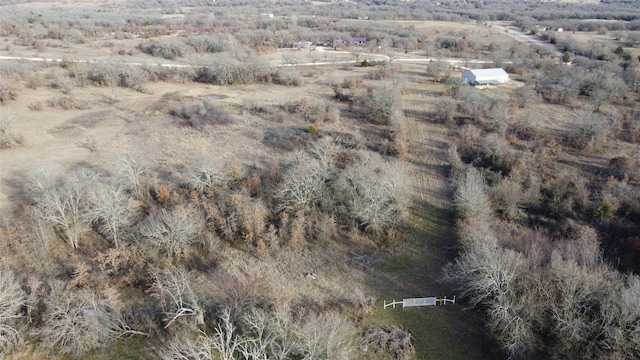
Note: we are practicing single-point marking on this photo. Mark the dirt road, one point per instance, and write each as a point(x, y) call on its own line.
point(518, 35)
point(340, 61)
point(440, 332)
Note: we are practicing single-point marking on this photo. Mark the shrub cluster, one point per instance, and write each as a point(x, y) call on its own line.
point(584, 306)
point(365, 189)
point(7, 92)
point(167, 49)
point(200, 115)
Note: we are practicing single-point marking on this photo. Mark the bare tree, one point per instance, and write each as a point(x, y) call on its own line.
point(205, 176)
point(5, 122)
point(473, 103)
point(249, 214)
point(284, 327)
point(620, 316)
point(524, 95)
point(576, 302)
point(172, 231)
point(38, 184)
point(262, 335)
point(259, 333)
point(313, 56)
point(592, 132)
point(508, 198)
point(177, 296)
point(326, 337)
point(226, 339)
point(79, 321)
point(110, 209)
point(470, 197)
point(380, 106)
point(65, 207)
point(486, 271)
point(611, 87)
point(37, 234)
point(106, 73)
point(439, 70)
point(8, 138)
point(446, 111)
point(492, 277)
point(303, 184)
point(133, 76)
point(7, 92)
point(374, 191)
point(133, 172)
point(290, 58)
point(12, 299)
point(509, 319)
point(325, 150)
point(355, 53)
point(185, 347)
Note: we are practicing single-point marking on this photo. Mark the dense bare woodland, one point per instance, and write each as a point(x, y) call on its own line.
point(222, 180)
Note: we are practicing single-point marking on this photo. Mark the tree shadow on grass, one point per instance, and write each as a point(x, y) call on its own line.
point(440, 332)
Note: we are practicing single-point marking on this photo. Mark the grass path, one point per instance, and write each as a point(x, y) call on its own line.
point(443, 332)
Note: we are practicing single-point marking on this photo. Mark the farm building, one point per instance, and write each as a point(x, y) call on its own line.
point(485, 77)
point(348, 41)
point(302, 45)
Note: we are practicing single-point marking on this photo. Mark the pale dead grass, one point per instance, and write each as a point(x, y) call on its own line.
point(305, 275)
point(591, 38)
point(476, 33)
point(138, 125)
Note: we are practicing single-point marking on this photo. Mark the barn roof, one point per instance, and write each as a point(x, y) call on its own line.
point(488, 73)
point(494, 76)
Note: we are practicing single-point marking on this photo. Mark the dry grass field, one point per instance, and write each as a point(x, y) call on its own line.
point(597, 40)
point(136, 124)
point(316, 114)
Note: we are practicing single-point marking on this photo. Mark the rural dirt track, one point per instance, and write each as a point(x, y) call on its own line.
point(427, 147)
point(518, 35)
point(364, 55)
point(441, 332)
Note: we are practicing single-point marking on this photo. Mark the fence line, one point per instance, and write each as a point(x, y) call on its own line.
point(414, 302)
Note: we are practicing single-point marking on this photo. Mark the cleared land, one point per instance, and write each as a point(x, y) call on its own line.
point(136, 124)
point(254, 248)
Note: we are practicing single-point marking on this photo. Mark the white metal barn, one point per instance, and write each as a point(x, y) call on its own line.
point(485, 77)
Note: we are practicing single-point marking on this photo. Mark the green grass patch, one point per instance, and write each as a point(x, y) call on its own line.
point(439, 332)
point(132, 348)
point(398, 263)
point(432, 220)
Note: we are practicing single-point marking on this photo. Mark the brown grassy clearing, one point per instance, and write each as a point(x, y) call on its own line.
point(137, 124)
point(605, 42)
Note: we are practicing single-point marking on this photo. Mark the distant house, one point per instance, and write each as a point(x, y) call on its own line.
point(348, 41)
point(485, 77)
point(302, 45)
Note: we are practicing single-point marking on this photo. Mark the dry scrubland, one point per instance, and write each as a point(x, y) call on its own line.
point(231, 207)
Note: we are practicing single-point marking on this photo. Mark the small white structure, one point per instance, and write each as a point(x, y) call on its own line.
point(485, 77)
point(302, 45)
point(428, 301)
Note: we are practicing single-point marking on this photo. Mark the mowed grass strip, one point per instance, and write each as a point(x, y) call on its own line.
point(415, 268)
